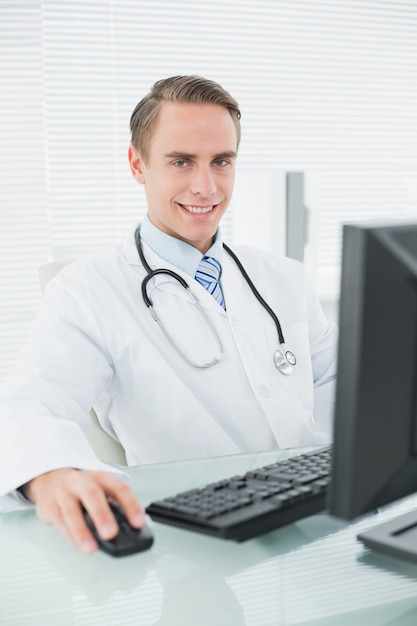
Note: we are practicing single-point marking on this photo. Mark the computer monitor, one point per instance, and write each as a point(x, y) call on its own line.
point(375, 430)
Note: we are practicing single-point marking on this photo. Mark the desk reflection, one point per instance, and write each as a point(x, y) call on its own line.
point(188, 571)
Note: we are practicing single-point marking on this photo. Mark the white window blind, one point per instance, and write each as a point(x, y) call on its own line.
point(326, 87)
point(23, 176)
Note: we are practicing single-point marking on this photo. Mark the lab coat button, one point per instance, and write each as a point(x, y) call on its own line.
point(264, 391)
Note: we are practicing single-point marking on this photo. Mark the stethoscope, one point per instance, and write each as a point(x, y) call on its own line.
point(284, 359)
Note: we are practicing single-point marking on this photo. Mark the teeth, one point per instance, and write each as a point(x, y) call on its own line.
point(198, 209)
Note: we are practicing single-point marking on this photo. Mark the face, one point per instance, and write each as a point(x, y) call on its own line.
point(190, 171)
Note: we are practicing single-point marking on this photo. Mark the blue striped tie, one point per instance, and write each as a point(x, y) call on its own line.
point(208, 274)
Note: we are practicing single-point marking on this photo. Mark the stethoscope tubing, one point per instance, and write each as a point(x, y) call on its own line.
point(148, 302)
point(284, 360)
point(256, 293)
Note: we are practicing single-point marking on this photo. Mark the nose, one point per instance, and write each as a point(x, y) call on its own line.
point(203, 182)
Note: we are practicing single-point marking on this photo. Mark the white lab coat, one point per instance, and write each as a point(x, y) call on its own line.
point(95, 343)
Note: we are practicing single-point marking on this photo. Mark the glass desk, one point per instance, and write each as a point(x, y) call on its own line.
point(312, 572)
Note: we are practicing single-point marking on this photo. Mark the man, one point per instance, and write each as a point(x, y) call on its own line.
point(208, 388)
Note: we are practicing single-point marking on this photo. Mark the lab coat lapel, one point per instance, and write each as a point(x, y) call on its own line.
point(167, 283)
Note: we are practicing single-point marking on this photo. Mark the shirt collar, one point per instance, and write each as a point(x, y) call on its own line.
point(177, 252)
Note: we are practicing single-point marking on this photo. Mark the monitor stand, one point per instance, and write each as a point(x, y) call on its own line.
point(397, 537)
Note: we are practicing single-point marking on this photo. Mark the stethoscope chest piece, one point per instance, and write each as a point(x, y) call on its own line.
point(284, 360)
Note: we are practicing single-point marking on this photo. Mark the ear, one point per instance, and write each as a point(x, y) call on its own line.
point(137, 166)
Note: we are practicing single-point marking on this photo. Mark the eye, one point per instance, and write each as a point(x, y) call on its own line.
point(221, 162)
point(180, 163)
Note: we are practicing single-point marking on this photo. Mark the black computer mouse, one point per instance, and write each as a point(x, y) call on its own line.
point(129, 540)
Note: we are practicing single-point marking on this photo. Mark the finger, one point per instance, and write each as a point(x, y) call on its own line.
point(92, 496)
point(83, 491)
point(72, 522)
point(125, 496)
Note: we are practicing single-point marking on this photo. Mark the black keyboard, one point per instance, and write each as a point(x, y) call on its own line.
point(246, 506)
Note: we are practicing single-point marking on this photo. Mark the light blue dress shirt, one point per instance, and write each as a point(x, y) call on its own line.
point(177, 252)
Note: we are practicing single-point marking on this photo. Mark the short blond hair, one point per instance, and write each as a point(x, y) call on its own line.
point(190, 89)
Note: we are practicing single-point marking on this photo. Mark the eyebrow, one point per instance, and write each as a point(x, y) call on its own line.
point(228, 154)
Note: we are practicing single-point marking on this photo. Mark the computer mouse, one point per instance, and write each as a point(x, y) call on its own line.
point(129, 540)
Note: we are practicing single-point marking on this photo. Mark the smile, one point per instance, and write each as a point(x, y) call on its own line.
point(198, 209)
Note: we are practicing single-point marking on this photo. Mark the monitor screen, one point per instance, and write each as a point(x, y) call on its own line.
point(375, 429)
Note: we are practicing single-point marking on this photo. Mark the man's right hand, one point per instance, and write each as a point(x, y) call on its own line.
point(60, 494)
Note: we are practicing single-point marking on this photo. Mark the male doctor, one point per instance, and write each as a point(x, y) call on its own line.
point(95, 342)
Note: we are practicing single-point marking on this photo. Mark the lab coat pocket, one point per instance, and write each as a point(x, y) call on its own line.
point(298, 384)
